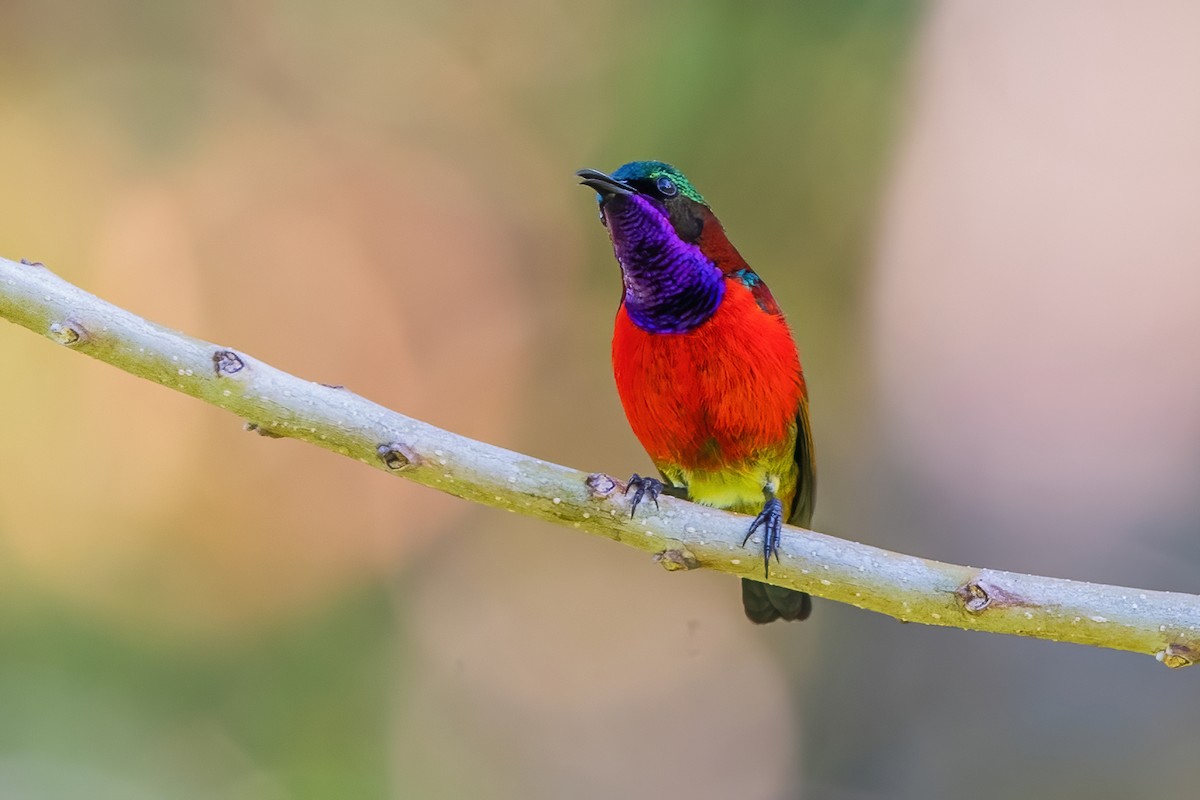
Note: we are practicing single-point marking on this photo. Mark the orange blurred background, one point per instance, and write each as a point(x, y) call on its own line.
point(976, 216)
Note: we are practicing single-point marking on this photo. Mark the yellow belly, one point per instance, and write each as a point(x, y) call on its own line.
point(742, 489)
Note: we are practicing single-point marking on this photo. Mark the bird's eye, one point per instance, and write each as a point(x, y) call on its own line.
point(666, 187)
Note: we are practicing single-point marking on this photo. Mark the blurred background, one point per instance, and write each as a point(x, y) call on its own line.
point(979, 218)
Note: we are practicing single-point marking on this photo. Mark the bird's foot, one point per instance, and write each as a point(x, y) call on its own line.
point(643, 488)
point(770, 519)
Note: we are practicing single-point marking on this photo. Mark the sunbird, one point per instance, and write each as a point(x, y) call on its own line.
point(706, 368)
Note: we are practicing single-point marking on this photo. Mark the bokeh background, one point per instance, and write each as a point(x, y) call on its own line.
point(979, 217)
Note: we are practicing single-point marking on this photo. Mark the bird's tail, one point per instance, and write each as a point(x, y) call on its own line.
point(765, 603)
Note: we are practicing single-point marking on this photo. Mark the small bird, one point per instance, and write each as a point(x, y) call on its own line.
point(706, 367)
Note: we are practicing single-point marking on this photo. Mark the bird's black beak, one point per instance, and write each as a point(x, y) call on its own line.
point(605, 185)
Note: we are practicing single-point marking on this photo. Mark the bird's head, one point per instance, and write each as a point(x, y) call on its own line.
point(649, 187)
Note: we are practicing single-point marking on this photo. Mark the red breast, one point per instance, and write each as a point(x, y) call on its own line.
point(715, 396)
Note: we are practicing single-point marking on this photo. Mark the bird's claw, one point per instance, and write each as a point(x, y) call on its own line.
point(770, 519)
point(643, 488)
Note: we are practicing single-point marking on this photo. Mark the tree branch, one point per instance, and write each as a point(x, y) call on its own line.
point(681, 534)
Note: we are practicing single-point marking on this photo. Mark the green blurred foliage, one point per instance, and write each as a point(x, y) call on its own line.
point(294, 712)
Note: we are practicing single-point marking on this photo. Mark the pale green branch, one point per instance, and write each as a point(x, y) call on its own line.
point(683, 535)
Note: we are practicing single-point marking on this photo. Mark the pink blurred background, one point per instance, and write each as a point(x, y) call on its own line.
point(976, 216)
